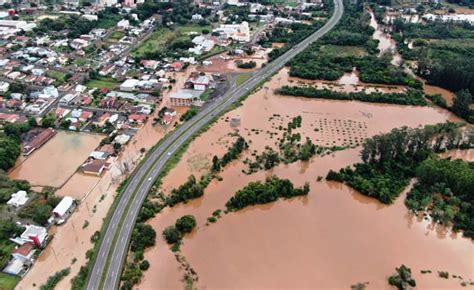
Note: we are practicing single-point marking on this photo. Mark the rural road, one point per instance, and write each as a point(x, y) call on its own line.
point(107, 266)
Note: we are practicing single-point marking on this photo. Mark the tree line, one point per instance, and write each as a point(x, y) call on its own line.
point(390, 160)
point(410, 97)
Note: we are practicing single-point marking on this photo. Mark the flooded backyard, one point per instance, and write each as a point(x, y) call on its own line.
point(322, 239)
point(58, 159)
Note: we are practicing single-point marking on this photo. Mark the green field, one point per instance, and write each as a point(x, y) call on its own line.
point(115, 36)
point(344, 50)
point(155, 42)
point(8, 282)
point(241, 78)
point(57, 75)
point(193, 28)
point(102, 83)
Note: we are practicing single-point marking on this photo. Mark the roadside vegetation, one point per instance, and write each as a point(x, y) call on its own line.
point(55, 279)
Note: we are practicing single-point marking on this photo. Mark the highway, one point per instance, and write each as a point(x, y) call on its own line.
point(112, 251)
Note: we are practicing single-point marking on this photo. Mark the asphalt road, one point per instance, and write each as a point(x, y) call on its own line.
point(116, 238)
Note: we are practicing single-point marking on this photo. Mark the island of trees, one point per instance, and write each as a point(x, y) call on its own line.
point(265, 192)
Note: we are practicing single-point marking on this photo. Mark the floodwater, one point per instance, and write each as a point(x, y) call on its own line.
point(223, 63)
point(58, 159)
point(386, 43)
point(432, 90)
point(72, 239)
point(332, 238)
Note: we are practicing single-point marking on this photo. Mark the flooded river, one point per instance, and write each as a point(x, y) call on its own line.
point(386, 43)
point(332, 238)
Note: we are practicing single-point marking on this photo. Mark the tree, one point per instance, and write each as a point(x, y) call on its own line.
point(143, 236)
point(216, 165)
point(172, 235)
point(32, 122)
point(48, 121)
point(186, 224)
point(402, 279)
point(9, 152)
point(461, 104)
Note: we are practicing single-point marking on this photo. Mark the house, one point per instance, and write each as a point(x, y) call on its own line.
point(200, 82)
point(123, 24)
point(107, 148)
point(61, 112)
point(38, 141)
point(99, 155)
point(94, 167)
point(137, 118)
point(33, 234)
point(4, 86)
point(9, 118)
point(129, 85)
point(176, 66)
point(16, 267)
point(184, 98)
point(18, 199)
point(79, 43)
point(122, 139)
point(85, 115)
point(100, 122)
point(64, 208)
point(238, 32)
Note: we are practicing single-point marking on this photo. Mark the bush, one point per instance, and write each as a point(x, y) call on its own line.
point(402, 279)
point(188, 114)
point(172, 235)
point(246, 65)
point(144, 265)
point(143, 236)
point(55, 279)
point(185, 224)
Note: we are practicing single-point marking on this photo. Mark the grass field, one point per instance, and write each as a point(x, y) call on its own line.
point(102, 83)
point(193, 28)
point(242, 78)
point(344, 50)
point(155, 42)
point(57, 75)
point(8, 282)
point(115, 36)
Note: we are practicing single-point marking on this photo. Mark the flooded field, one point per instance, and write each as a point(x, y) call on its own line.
point(386, 43)
point(321, 239)
point(223, 63)
point(58, 159)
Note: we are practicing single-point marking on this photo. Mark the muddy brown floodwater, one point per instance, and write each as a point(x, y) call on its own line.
point(331, 239)
point(58, 159)
point(386, 43)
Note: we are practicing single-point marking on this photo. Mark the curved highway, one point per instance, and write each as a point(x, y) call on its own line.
point(113, 249)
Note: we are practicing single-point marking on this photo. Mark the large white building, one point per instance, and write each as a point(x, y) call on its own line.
point(239, 32)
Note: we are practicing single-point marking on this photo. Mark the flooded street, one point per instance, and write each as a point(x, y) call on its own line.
point(58, 159)
point(386, 43)
point(322, 239)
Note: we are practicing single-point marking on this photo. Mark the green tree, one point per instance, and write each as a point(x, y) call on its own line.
point(172, 235)
point(186, 224)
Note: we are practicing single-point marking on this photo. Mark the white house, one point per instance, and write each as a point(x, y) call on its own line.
point(4, 86)
point(239, 32)
point(129, 85)
point(64, 208)
point(18, 199)
point(123, 24)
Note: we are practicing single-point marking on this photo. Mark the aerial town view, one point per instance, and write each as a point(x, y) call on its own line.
point(236, 144)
